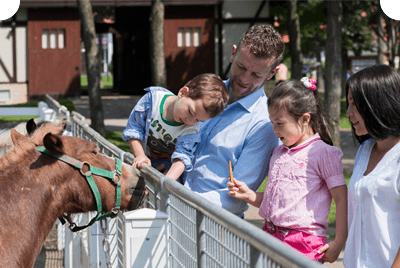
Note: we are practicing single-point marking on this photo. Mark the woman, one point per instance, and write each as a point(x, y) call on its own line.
point(373, 107)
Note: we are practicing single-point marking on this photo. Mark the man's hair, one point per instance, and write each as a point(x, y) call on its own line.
point(263, 41)
point(211, 87)
point(376, 93)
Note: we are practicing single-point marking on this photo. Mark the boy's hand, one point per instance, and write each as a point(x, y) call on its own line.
point(139, 159)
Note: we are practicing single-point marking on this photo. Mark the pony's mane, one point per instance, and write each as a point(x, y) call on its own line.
point(53, 128)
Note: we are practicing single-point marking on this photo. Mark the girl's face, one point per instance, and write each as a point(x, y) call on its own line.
point(189, 111)
point(355, 117)
point(290, 131)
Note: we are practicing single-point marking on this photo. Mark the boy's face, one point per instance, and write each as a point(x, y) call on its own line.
point(189, 111)
point(248, 73)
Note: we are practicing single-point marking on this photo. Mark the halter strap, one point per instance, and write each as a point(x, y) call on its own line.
point(88, 176)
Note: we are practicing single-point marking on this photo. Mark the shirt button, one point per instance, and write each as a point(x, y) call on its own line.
point(148, 120)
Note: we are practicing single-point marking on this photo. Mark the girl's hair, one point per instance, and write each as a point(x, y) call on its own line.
point(209, 86)
point(376, 95)
point(297, 99)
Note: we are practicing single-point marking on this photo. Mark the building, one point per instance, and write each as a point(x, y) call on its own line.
point(41, 45)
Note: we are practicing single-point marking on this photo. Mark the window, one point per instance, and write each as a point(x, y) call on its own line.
point(189, 37)
point(53, 38)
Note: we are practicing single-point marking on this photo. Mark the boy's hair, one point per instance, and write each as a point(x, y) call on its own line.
point(263, 41)
point(212, 87)
point(297, 99)
point(376, 95)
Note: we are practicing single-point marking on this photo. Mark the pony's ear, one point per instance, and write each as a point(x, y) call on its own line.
point(31, 126)
point(53, 143)
point(16, 136)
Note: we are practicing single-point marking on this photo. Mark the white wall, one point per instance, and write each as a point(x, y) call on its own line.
point(232, 32)
point(6, 53)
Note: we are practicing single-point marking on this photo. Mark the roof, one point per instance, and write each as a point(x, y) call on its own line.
point(116, 3)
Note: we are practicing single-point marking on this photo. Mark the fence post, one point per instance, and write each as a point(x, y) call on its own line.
point(145, 238)
point(201, 239)
point(255, 257)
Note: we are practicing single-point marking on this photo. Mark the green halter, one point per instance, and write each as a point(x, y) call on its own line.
point(88, 176)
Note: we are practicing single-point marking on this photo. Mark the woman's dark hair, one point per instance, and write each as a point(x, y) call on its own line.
point(298, 100)
point(376, 95)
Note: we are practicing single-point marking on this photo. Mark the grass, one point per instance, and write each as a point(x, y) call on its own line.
point(115, 137)
point(108, 82)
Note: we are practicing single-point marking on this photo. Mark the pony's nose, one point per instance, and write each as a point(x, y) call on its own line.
point(133, 172)
point(133, 182)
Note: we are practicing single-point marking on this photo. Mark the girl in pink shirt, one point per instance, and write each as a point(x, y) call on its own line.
point(305, 173)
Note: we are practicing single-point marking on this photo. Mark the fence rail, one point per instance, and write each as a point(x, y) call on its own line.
point(200, 234)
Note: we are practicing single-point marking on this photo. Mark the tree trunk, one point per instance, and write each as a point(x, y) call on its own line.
point(345, 67)
point(92, 66)
point(392, 44)
point(381, 41)
point(334, 69)
point(295, 40)
point(320, 73)
point(158, 74)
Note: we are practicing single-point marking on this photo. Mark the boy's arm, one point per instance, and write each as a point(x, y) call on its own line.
point(176, 169)
point(138, 152)
point(333, 249)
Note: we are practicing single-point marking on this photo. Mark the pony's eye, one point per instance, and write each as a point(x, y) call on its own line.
point(95, 150)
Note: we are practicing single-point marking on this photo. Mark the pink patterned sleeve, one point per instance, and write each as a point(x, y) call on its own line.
point(331, 166)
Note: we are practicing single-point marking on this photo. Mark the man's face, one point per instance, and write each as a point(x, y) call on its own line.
point(248, 73)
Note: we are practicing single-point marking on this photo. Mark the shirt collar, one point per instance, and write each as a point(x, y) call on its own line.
point(313, 139)
point(249, 101)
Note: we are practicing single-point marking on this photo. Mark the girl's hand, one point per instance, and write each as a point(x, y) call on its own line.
point(238, 189)
point(139, 159)
point(332, 251)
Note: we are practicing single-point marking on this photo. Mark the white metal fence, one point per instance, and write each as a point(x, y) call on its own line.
point(189, 231)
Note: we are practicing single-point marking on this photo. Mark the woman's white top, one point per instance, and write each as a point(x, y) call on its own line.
point(373, 210)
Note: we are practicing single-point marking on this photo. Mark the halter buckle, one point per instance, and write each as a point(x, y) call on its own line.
point(88, 173)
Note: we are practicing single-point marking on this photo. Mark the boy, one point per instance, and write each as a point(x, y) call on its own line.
point(163, 127)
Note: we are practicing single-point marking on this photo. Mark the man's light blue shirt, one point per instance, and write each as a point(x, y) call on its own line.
point(243, 134)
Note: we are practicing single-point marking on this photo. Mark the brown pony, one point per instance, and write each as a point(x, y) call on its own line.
point(36, 189)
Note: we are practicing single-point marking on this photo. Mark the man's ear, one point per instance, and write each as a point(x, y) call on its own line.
point(233, 52)
point(273, 72)
point(183, 92)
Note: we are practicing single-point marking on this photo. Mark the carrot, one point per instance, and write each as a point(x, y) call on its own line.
point(230, 171)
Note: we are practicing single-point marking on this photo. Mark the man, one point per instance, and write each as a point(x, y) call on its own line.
point(243, 132)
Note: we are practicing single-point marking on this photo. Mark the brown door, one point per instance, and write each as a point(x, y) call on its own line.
point(189, 45)
point(54, 52)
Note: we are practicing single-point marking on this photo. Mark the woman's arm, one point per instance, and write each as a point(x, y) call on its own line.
point(332, 250)
point(396, 263)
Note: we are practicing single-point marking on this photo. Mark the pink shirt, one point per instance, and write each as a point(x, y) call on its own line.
point(297, 194)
